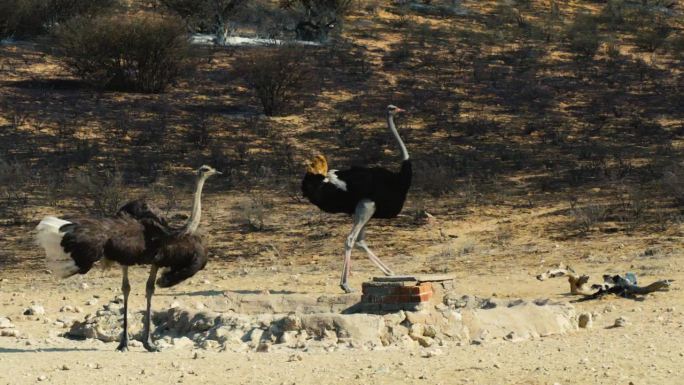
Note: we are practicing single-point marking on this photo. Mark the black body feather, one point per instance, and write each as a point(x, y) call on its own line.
point(386, 188)
point(138, 235)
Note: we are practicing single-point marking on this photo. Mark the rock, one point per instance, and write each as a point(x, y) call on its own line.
point(291, 322)
point(255, 337)
point(183, 342)
point(65, 367)
point(430, 331)
point(209, 345)
point(295, 357)
point(425, 342)
point(66, 309)
point(5, 323)
point(362, 329)
point(226, 335)
point(431, 353)
point(264, 347)
point(620, 322)
point(106, 326)
point(584, 321)
point(84, 286)
point(288, 338)
point(34, 310)
point(9, 333)
point(42, 377)
point(417, 330)
point(91, 302)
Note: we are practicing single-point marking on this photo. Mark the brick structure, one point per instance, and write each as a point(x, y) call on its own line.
point(405, 292)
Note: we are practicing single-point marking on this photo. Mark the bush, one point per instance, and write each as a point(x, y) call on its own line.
point(126, 53)
point(673, 181)
point(103, 192)
point(23, 18)
point(205, 15)
point(275, 75)
point(583, 37)
point(652, 36)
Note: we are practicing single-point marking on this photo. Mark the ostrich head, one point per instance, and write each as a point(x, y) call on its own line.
point(207, 171)
point(393, 110)
point(318, 166)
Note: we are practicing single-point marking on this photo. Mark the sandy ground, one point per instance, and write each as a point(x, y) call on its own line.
point(648, 350)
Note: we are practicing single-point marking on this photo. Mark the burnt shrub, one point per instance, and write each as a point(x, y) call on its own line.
point(142, 53)
point(582, 36)
point(651, 36)
point(102, 191)
point(276, 75)
point(24, 18)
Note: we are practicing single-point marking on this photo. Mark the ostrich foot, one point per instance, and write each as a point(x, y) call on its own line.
point(346, 288)
point(123, 345)
point(150, 346)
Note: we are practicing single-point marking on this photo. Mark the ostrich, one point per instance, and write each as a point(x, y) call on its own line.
point(364, 193)
point(137, 235)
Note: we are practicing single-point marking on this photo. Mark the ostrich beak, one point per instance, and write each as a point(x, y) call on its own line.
point(400, 110)
point(217, 172)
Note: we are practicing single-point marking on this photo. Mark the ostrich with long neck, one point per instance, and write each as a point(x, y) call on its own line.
point(137, 235)
point(362, 192)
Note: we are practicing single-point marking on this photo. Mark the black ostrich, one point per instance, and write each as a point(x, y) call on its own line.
point(362, 192)
point(137, 235)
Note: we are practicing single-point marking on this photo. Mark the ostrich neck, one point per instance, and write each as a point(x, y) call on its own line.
point(393, 128)
point(194, 221)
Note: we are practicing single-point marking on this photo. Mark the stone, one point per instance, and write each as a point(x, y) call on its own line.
point(91, 302)
point(183, 342)
point(209, 345)
point(5, 323)
point(585, 321)
point(289, 338)
point(226, 335)
point(42, 377)
point(430, 331)
point(255, 337)
point(417, 330)
point(9, 333)
point(66, 309)
point(363, 329)
point(295, 357)
point(425, 342)
point(264, 347)
point(620, 322)
point(431, 353)
point(34, 310)
point(291, 322)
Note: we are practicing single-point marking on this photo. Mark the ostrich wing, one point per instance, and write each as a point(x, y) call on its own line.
point(359, 180)
point(88, 240)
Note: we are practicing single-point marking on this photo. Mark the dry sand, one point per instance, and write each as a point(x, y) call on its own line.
point(647, 350)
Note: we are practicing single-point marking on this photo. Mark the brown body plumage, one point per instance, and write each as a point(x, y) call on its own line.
point(137, 235)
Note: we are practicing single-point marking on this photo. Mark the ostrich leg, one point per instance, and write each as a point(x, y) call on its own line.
point(361, 243)
point(363, 213)
point(126, 289)
point(149, 292)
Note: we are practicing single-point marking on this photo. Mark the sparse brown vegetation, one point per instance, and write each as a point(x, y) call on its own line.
point(276, 76)
point(25, 18)
point(135, 53)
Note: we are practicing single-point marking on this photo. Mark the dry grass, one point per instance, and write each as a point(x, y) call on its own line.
point(503, 118)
